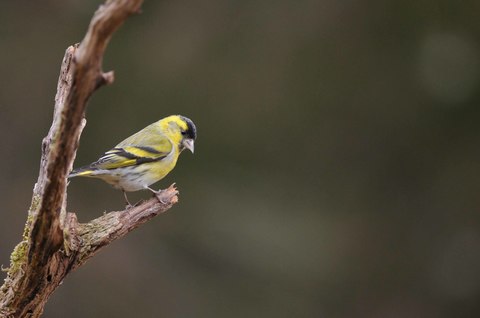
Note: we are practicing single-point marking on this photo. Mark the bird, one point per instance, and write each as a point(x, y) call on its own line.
point(145, 157)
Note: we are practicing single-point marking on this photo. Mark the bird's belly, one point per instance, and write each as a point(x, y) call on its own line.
point(140, 177)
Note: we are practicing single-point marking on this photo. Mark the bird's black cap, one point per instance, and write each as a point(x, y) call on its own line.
point(191, 131)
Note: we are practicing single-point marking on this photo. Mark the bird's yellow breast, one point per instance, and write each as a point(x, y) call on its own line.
point(139, 177)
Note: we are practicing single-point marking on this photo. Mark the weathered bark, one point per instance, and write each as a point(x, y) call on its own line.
point(54, 243)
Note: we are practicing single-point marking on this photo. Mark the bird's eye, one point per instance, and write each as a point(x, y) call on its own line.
point(184, 132)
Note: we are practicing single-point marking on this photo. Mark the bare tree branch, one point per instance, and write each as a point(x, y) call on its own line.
point(54, 243)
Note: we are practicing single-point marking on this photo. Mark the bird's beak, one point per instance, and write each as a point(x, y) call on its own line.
point(189, 144)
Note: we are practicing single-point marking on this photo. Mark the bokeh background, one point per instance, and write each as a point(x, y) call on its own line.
point(336, 171)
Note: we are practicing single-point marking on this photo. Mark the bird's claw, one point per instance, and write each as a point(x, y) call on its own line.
point(128, 205)
point(167, 196)
point(161, 197)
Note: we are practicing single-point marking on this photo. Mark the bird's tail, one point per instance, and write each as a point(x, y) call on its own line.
point(81, 172)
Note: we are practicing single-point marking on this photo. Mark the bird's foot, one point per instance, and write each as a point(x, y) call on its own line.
point(128, 205)
point(166, 196)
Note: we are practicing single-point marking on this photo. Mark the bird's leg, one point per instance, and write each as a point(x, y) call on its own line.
point(126, 199)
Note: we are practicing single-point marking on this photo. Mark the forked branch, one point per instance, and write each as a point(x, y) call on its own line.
point(54, 242)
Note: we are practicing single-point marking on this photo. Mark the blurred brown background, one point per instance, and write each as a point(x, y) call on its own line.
point(336, 171)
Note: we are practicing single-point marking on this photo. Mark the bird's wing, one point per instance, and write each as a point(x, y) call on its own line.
point(132, 155)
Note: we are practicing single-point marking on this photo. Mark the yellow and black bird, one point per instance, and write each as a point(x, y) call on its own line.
point(145, 157)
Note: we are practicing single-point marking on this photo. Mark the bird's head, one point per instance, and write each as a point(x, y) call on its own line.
point(181, 130)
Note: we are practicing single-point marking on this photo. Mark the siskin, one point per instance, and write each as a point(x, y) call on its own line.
point(145, 157)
